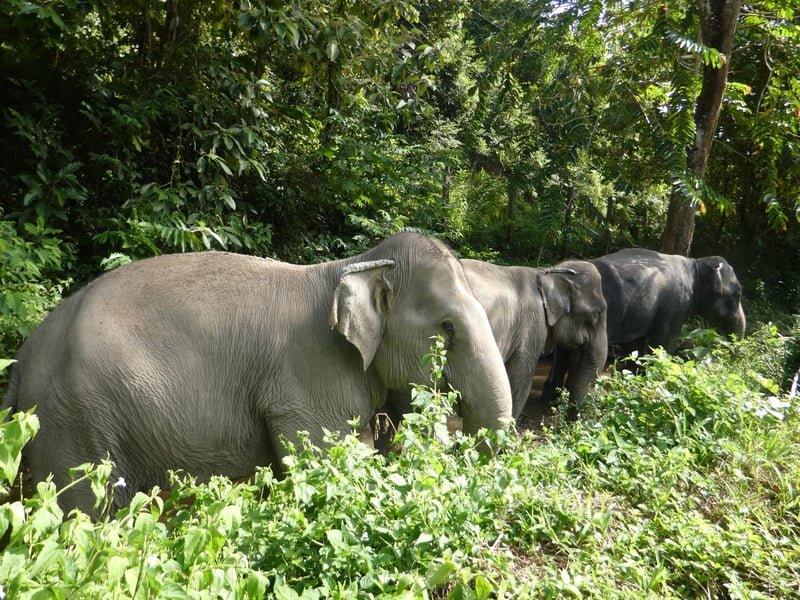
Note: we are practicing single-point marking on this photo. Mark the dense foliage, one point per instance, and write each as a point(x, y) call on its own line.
point(678, 483)
point(536, 128)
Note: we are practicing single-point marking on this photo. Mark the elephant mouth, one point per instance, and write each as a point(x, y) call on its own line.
point(577, 345)
point(726, 326)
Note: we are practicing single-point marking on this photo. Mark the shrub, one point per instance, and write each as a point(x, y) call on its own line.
point(29, 286)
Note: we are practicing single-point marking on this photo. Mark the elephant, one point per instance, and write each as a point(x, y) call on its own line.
point(532, 311)
point(651, 295)
point(207, 362)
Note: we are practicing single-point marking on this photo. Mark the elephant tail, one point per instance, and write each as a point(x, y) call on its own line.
point(12, 393)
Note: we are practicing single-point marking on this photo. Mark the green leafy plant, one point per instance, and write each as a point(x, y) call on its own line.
point(679, 482)
point(27, 261)
point(18, 429)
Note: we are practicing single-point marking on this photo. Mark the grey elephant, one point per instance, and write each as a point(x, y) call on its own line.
point(532, 311)
point(651, 295)
point(203, 362)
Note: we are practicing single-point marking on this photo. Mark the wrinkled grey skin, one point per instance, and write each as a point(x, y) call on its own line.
point(202, 361)
point(651, 295)
point(532, 311)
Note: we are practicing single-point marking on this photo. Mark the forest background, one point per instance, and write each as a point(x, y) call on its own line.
point(521, 132)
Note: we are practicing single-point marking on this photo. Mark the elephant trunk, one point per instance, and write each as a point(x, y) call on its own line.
point(739, 323)
point(729, 322)
point(492, 411)
point(486, 393)
point(584, 366)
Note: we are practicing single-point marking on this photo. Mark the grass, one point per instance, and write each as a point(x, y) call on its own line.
point(680, 481)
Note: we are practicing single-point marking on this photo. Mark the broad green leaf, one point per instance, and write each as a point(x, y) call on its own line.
point(195, 542)
point(440, 573)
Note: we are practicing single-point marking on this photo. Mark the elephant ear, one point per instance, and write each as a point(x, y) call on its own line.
point(556, 288)
point(360, 305)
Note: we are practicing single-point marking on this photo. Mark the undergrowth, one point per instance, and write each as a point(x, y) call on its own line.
point(680, 481)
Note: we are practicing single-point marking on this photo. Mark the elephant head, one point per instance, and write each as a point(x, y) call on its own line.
point(391, 302)
point(575, 311)
point(718, 295)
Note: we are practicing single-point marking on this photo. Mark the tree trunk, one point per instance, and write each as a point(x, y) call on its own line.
point(512, 215)
point(610, 216)
point(717, 28)
point(567, 223)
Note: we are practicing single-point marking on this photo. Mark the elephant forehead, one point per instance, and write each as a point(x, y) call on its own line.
point(443, 303)
point(434, 290)
point(448, 269)
point(436, 280)
point(450, 294)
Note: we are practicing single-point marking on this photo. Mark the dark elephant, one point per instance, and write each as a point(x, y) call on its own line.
point(532, 311)
point(651, 295)
point(204, 362)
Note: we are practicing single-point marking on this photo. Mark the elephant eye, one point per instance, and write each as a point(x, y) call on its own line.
point(449, 332)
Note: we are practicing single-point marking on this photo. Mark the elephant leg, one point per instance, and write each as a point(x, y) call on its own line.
point(556, 377)
point(577, 390)
point(39, 456)
point(520, 371)
point(619, 354)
